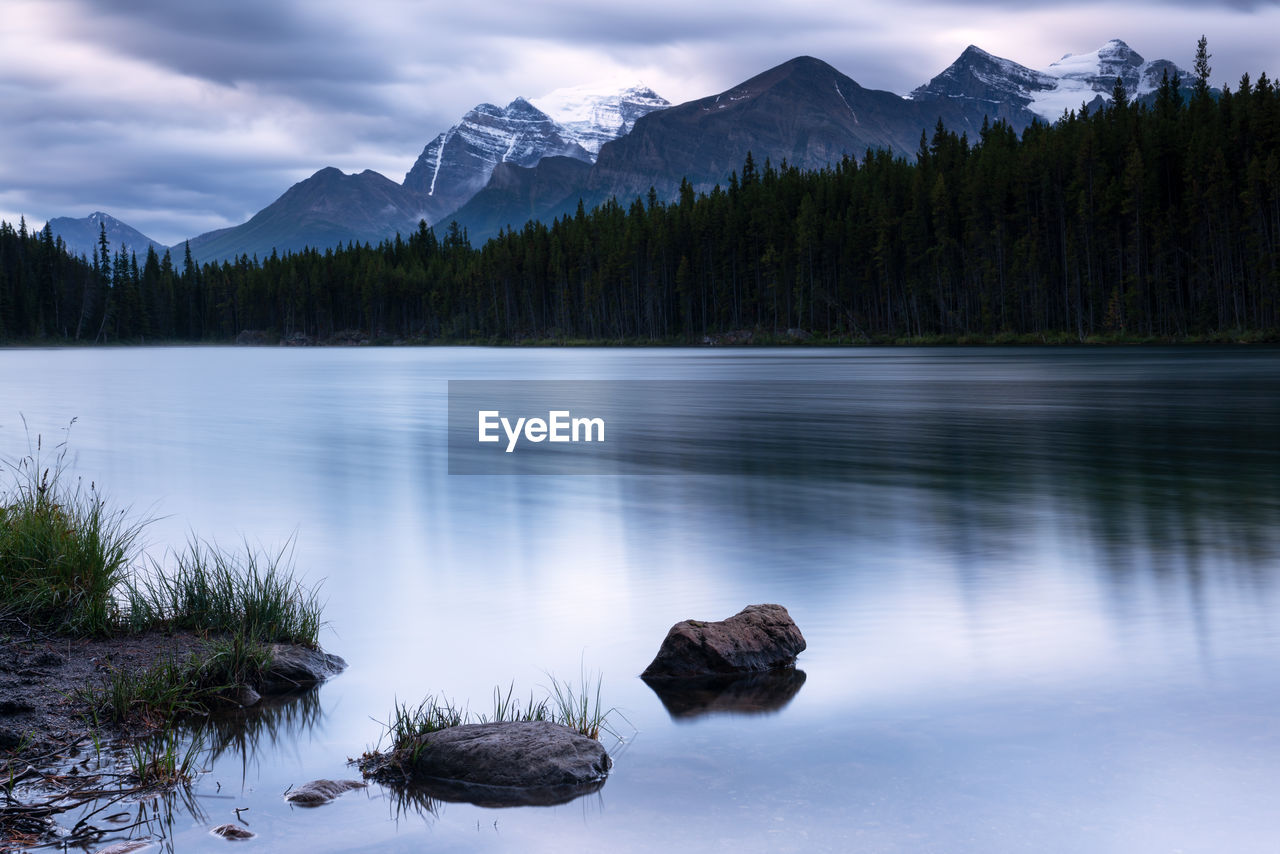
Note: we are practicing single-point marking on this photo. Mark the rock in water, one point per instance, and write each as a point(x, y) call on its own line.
point(757, 638)
point(232, 831)
point(298, 667)
point(319, 792)
point(524, 754)
point(126, 847)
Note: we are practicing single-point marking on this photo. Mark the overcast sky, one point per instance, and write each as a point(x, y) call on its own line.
point(180, 117)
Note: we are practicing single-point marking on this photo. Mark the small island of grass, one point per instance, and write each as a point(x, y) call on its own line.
point(99, 641)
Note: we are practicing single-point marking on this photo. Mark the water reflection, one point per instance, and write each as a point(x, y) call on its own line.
point(425, 797)
point(247, 734)
point(752, 694)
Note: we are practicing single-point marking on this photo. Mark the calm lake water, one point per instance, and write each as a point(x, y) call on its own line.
point(1039, 587)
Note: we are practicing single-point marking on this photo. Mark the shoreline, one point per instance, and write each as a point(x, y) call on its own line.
point(741, 339)
point(46, 682)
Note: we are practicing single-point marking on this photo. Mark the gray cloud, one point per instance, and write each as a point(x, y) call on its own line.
point(180, 117)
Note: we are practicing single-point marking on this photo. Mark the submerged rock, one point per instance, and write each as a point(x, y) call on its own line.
point(754, 693)
point(129, 845)
point(241, 695)
point(233, 831)
point(319, 792)
point(497, 764)
point(297, 667)
point(757, 638)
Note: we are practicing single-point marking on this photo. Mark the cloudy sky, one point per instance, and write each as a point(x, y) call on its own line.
point(180, 117)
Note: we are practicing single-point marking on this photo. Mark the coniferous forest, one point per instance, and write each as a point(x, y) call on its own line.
point(1157, 220)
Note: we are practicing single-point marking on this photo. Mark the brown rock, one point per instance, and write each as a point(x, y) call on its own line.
point(233, 831)
point(757, 638)
point(522, 754)
point(295, 667)
point(319, 792)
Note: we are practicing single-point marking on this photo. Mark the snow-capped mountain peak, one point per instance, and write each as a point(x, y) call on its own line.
point(1015, 90)
point(594, 115)
point(457, 164)
point(1083, 78)
point(575, 122)
point(982, 76)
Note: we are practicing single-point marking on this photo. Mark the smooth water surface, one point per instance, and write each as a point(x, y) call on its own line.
point(1039, 587)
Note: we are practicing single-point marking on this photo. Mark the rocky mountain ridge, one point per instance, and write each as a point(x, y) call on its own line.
point(498, 167)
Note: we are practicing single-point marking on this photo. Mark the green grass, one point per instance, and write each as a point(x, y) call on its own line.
point(150, 696)
point(71, 565)
point(171, 689)
point(162, 761)
point(507, 708)
point(580, 709)
point(210, 589)
point(63, 552)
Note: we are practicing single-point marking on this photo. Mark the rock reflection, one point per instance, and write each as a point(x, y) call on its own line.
point(753, 694)
point(426, 796)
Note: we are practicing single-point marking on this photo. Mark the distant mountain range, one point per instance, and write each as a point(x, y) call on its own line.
point(1019, 94)
point(499, 167)
point(81, 235)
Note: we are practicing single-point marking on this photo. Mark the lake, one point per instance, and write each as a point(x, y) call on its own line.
point(1039, 586)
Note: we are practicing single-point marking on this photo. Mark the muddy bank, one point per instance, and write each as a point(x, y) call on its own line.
point(43, 681)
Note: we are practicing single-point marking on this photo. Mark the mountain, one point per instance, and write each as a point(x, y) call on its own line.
point(457, 164)
point(328, 209)
point(515, 195)
point(809, 114)
point(1004, 89)
point(625, 141)
point(81, 235)
point(331, 209)
point(591, 117)
point(1001, 88)
point(803, 111)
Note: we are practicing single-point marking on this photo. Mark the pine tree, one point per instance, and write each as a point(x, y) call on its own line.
point(1202, 68)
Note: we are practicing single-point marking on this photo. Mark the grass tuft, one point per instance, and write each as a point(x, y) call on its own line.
point(210, 589)
point(506, 708)
point(63, 553)
point(70, 565)
point(171, 689)
point(162, 761)
point(579, 709)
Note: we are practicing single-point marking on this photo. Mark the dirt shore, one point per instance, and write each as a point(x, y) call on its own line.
point(41, 715)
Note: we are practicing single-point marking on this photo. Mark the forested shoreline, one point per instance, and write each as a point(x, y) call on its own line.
point(1141, 221)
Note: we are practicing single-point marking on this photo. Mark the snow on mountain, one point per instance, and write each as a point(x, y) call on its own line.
point(574, 123)
point(983, 76)
point(1082, 78)
point(457, 164)
point(1008, 90)
point(81, 235)
point(592, 116)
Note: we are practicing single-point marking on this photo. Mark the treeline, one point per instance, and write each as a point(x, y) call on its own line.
point(1158, 220)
